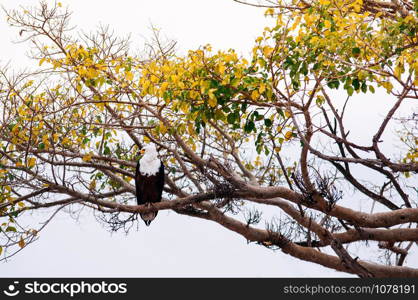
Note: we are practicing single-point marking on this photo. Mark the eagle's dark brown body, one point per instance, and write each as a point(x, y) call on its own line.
point(149, 190)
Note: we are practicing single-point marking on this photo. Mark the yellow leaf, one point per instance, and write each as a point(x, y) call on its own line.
point(164, 86)
point(399, 69)
point(258, 161)
point(56, 64)
point(91, 73)
point(31, 162)
point(221, 68)
point(295, 23)
point(269, 12)
point(174, 78)
point(327, 24)
point(267, 51)
point(184, 107)
point(79, 88)
point(388, 86)
point(153, 78)
point(212, 98)
point(66, 141)
point(87, 157)
point(28, 84)
point(163, 129)
point(55, 137)
point(212, 102)
point(288, 135)
point(59, 4)
point(357, 8)
point(145, 86)
point(42, 61)
point(255, 94)
point(129, 76)
point(190, 129)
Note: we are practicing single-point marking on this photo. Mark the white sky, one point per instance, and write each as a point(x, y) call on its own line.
point(173, 245)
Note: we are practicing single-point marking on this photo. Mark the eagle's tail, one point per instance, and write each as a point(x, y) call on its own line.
point(148, 217)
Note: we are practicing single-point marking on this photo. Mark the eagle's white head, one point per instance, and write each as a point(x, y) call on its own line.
point(149, 163)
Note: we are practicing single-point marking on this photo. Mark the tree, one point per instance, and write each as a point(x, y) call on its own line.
point(71, 131)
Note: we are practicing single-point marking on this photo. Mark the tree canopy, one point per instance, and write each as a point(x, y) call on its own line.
point(235, 132)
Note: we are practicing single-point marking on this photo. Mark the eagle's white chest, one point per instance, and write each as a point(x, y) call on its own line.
point(149, 167)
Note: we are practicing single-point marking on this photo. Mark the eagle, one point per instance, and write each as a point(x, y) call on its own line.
point(149, 181)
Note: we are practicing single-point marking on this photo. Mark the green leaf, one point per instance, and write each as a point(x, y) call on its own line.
point(356, 51)
point(231, 118)
point(268, 122)
point(333, 84)
point(364, 87)
point(304, 69)
point(106, 150)
point(281, 113)
point(350, 91)
point(371, 88)
point(320, 100)
point(356, 84)
point(249, 126)
point(259, 117)
point(10, 229)
point(244, 107)
point(259, 148)
point(295, 84)
point(266, 151)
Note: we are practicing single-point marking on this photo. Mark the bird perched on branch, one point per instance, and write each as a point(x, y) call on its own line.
point(149, 181)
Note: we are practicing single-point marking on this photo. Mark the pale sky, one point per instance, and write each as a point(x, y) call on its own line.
point(173, 245)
